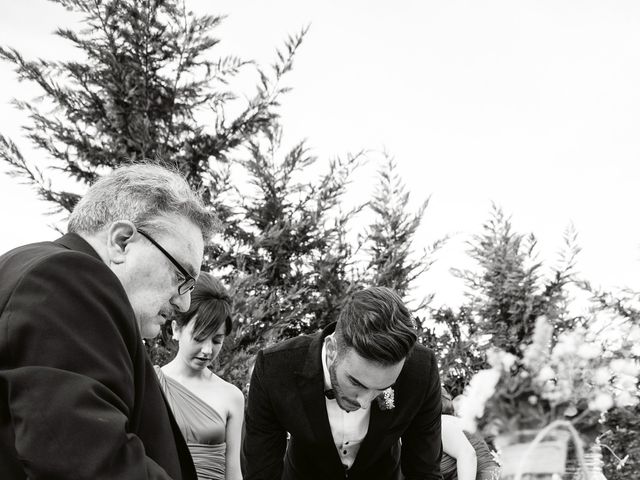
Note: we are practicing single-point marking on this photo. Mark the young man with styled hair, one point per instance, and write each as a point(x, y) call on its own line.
point(339, 404)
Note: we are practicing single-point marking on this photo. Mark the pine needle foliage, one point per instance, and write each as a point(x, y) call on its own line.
point(293, 268)
point(148, 71)
point(509, 290)
point(389, 238)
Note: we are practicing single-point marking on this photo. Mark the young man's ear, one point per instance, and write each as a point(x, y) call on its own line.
point(119, 236)
point(331, 349)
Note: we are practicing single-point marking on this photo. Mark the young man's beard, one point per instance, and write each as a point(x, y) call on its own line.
point(349, 405)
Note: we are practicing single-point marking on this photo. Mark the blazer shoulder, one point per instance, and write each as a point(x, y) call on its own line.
point(23, 260)
point(422, 359)
point(422, 354)
point(288, 355)
point(51, 263)
point(67, 281)
point(72, 263)
point(288, 347)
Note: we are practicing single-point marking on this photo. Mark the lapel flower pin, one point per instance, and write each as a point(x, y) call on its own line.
point(386, 399)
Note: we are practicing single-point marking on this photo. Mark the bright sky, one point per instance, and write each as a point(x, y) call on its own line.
point(532, 105)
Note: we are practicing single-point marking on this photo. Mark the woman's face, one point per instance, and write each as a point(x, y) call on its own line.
point(197, 354)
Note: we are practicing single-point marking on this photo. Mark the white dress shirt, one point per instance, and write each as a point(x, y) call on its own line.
point(348, 428)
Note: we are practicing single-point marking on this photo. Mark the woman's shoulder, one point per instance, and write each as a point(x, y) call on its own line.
point(228, 397)
point(225, 388)
point(232, 391)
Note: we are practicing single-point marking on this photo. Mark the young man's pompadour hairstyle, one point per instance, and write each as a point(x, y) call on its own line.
point(377, 325)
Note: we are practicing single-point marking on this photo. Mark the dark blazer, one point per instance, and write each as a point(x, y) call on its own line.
point(78, 395)
point(286, 395)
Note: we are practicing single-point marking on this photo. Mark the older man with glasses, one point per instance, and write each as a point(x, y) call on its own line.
point(78, 394)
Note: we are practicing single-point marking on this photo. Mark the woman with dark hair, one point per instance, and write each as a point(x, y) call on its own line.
point(208, 410)
point(465, 455)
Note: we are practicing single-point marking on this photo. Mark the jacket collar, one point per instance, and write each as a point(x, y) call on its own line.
point(73, 241)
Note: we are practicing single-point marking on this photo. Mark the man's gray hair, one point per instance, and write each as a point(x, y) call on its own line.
point(140, 194)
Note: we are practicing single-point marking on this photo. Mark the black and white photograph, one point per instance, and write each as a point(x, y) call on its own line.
point(288, 240)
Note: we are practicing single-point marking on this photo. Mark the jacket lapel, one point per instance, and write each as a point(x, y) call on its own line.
point(379, 425)
point(311, 388)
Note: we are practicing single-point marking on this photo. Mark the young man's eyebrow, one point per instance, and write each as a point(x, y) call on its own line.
point(358, 382)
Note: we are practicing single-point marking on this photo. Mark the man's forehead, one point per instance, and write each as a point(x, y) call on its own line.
point(185, 242)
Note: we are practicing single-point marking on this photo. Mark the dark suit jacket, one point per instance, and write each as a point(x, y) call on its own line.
point(286, 395)
point(78, 395)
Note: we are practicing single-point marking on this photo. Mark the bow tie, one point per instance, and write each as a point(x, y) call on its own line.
point(330, 394)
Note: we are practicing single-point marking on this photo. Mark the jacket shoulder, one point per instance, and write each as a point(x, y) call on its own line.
point(293, 347)
point(420, 365)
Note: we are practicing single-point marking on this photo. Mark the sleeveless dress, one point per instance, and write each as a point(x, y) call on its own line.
point(202, 427)
point(488, 469)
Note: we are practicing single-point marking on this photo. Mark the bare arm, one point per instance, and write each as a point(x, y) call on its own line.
point(455, 444)
point(234, 434)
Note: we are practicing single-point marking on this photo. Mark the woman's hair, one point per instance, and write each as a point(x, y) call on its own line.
point(377, 325)
point(140, 193)
point(447, 403)
point(211, 307)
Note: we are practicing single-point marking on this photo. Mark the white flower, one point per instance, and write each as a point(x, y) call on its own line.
point(602, 402)
point(500, 359)
point(589, 351)
point(386, 400)
point(546, 374)
point(615, 344)
point(508, 359)
point(625, 366)
point(626, 399)
point(536, 354)
point(634, 334)
point(481, 387)
point(567, 345)
point(601, 376)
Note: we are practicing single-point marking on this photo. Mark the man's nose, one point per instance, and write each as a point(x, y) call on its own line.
point(365, 398)
point(181, 302)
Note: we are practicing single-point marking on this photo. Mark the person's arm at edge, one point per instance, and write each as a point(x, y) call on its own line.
point(233, 434)
point(456, 444)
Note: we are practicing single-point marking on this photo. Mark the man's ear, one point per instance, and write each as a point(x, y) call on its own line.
point(331, 349)
point(119, 236)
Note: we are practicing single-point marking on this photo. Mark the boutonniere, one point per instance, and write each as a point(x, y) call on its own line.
point(386, 399)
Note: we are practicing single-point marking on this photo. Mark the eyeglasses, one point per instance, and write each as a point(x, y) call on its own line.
point(189, 282)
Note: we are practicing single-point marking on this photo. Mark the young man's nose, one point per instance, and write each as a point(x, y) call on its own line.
point(366, 397)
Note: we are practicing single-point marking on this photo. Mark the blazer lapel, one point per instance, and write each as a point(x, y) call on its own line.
point(311, 387)
point(379, 424)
